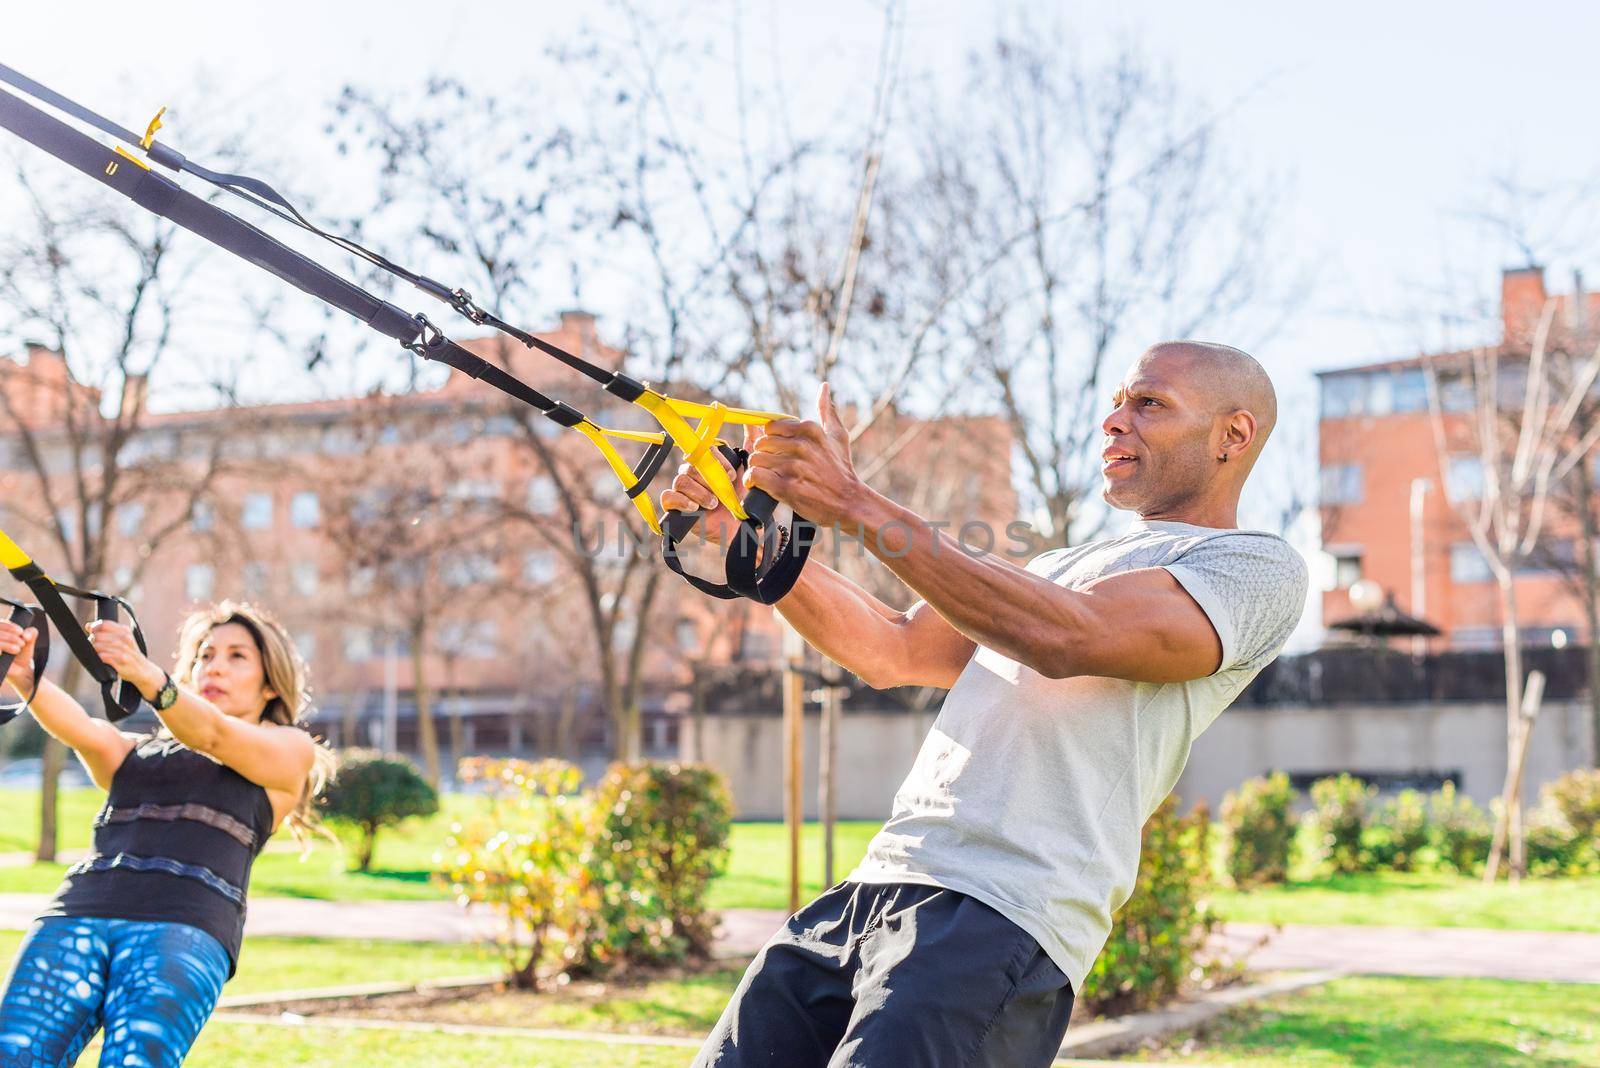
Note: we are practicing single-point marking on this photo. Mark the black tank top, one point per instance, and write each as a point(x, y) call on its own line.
point(174, 844)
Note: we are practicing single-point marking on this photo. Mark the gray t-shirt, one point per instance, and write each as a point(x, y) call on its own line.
point(1030, 793)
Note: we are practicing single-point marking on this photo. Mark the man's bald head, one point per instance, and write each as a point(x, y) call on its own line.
point(1188, 422)
point(1226, 380)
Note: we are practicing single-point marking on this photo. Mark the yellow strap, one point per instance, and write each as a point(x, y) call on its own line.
point(150, 131)
point(619, 467)
point(11, 554)
point(688, 439)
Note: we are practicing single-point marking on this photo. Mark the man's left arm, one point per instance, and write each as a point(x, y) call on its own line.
point(1141, 626)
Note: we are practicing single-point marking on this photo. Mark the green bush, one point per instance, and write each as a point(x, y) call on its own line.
point(1260, 830)
point(1576, 795)
point(662, 836)
point(1458, 830)
point(1562, 828)
point(528, 859)
point(1399, 834)
point(372, 791)
point(1340, 806)
point(1157, 935)
point(587, 879)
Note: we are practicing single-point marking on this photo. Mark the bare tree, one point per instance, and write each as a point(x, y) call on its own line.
point(95, 485)
point(417, 530)
point(1526, 445)
point(1091, 199)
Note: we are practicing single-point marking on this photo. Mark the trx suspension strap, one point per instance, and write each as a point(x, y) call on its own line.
point(121, 699)
point(25, 616)
point(762, 563)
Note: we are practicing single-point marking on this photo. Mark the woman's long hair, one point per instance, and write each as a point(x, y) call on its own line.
point(286, 675)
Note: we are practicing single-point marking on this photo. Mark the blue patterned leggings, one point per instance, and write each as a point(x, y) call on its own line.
point(152, 986)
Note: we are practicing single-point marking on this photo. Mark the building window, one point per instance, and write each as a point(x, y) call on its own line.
point(542, 495)
point(687, 635)
point(1475, 638)
point(361, 581)
point(1343, 396)
point(1467, 564)
point(130, 517)
point(1456, 393)
point(305, 510)
point(1554, 556)
point(469, 569)
point(1346, 567)
point(1463, 478)
point(757, 646)
point(303, 576)
point(358, 645)
point(254, 578)
point(476, 638)
point(198, 580)
point(306, 642)
point(539, 567)
point(1410, 391)
point(204, 517)
point(1341, 484)
point(257, 511)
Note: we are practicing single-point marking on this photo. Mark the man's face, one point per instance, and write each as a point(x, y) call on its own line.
point(1158, 437)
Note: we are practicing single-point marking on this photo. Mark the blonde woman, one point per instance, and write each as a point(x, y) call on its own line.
point(145, 930)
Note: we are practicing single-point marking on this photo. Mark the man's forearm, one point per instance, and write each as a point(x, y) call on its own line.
point(846, 624)
point(994, 603)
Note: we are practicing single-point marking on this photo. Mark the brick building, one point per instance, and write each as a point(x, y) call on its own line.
point(1391, 506)
point(270, 503)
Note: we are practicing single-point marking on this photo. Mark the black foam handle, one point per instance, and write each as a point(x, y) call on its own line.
point(22, 616)
point(760, 505)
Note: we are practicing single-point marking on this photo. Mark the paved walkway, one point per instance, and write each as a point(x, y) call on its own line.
point(1432, 951)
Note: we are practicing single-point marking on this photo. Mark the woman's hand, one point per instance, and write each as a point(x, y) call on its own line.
point(19, 643)
point(114, 642)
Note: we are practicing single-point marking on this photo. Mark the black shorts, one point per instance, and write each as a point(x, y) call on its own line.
point(894, 976)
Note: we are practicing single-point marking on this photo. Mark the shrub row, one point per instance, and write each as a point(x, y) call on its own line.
point(1349, 830)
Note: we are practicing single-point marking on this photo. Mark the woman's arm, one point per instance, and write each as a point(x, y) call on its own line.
point(272, 756)
point(99, 745)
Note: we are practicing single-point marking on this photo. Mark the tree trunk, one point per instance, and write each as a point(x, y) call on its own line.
point(1509, 824)
point(1589, 555)
point(369, 843)
point(697, 712)
point(566, 745)
point(427, 732)
point(51, 761)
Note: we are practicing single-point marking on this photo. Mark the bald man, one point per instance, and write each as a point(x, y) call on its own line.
point(1076, 688)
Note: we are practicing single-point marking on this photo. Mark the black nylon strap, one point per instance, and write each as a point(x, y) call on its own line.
point(120, 699)
point(26, 616)
point(763, 561)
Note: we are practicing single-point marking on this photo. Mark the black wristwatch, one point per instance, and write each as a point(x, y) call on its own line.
point(167, 696)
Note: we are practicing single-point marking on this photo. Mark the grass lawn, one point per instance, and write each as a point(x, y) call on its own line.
point(271, 964)
point(758, 862)
point(683, 1005)
point(1383, 1021)
point(236, 1045)
point(1403, 899)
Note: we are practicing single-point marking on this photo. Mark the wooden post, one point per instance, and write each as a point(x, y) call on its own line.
point(827, 765)
point(794, 705)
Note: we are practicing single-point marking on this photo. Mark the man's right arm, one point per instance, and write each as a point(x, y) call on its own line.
point(880, 645)
point(866, 637)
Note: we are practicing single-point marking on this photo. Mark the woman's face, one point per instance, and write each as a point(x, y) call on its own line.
point(228, 672)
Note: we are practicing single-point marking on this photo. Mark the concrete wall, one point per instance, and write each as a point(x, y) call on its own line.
point(876, 750)
point(1468, 740)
